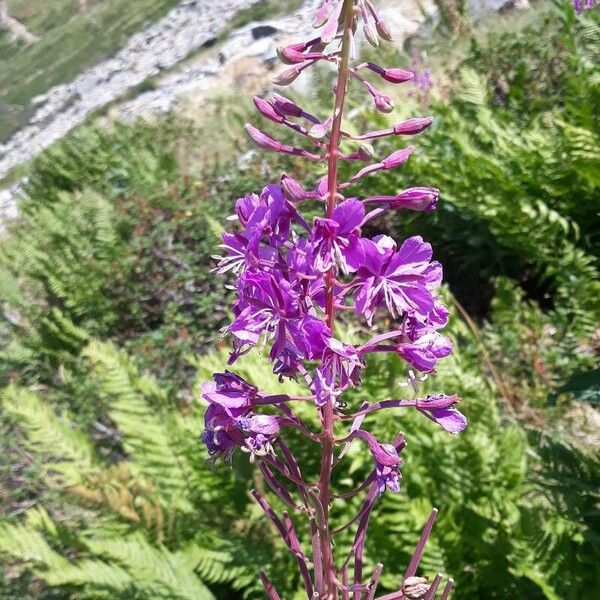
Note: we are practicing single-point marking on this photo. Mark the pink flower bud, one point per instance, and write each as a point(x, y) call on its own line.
point(289, 54)
point(262, 140)
point(413, 126)
point(394, 160)
point(363, 154)
point(398, 158)
point(383, 30)
point(391, 75)
point(266, 142)
point(417, 198)
point(288, 76)
point(292, 190)
point(295, 54)
point(368, 27)
point(267, 111)
point(323, 13)
point(322, 187)
point(331, 26)
point(383, 103)
point(285, 106)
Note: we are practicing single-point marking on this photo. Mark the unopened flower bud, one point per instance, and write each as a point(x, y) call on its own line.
point(323, 13)
point(285, 106)
point(292, 55)
point(391, 75)
point(289, 54)
point(266, 142)
point(413, 126)
point(288, 76)
point(364, 152)
point(398, 158)
point(418, 198)
point(331, 26)
point(368, 26)
point(262, 140)
point(322, 187)
point(383, 30)
point(266, 110)
point(383, 103)
point(293, 190)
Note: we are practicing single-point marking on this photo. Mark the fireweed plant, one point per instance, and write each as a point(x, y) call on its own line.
point(292, 279)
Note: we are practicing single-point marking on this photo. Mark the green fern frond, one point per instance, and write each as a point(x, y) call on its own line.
point(72, 454)
point(135, 406)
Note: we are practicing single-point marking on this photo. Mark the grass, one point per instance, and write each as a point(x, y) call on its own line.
point(70, 41)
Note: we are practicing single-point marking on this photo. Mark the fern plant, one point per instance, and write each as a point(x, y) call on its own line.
point(152, 523)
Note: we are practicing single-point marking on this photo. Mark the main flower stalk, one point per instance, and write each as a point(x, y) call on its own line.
point(332, 182)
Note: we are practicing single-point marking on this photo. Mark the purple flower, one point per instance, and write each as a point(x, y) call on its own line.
point(387, 462)
point(221, 436)
point(269, 214)
point(264, 305)
point(439, 408)
point(401, 280)
point(581, 5)
point(227, 427)
point(335, 240)
point(343, 363)
point(423, 347)
point(230, 391)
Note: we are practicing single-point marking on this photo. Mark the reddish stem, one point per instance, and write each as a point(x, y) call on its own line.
point(330, 588)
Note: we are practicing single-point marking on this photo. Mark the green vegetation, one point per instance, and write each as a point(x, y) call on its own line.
point(111, 321)
point(70, 39)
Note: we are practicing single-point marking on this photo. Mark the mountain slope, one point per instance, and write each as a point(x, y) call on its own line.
point(73, 34)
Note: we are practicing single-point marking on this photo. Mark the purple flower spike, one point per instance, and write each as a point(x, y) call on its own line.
point(292, 279)
point(440, 410)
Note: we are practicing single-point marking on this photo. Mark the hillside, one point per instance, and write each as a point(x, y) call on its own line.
point(71, 35)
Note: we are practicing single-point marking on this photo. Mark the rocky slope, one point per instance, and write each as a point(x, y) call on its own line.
point(156, 53)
